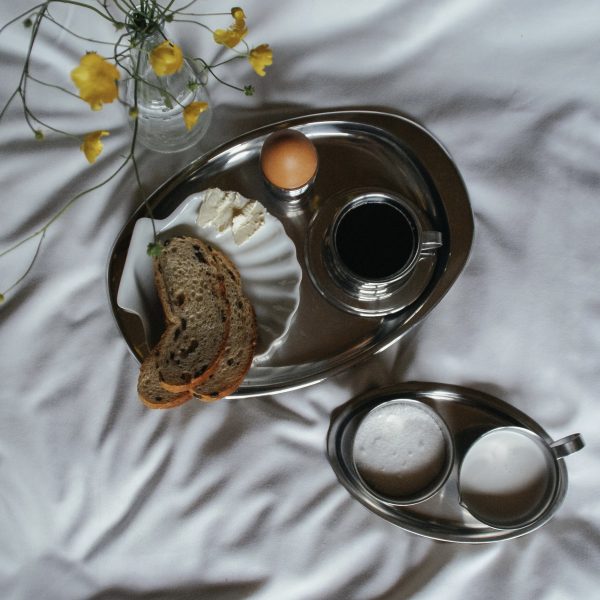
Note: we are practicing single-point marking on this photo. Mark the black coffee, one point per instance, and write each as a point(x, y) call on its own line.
point(375, 240)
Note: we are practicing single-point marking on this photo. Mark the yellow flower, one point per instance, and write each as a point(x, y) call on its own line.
point(166, 58)
point(96, 80)
point(232, 36)
point(192, 112)
point(237, 13)
point(92, 146)
point(261, 57)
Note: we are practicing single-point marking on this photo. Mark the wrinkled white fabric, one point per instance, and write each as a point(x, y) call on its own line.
point(101, 498)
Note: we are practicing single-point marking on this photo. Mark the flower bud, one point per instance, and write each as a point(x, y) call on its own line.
point(154, 249)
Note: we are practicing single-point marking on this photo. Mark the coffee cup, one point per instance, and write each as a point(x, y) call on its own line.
point(375, 242)
point(509, 475)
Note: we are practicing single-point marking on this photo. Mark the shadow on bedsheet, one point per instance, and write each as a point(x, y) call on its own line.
point(223, 591)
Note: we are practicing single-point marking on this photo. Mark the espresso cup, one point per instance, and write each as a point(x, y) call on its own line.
point(509, 475)
point(402, 451)
point(375, 242)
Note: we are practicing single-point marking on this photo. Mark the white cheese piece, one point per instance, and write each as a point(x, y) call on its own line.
point(229, 210)
point(216, 210)
point(247, 222)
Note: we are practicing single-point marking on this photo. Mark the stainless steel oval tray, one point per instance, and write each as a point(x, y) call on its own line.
point(357, 150)
point(468, 413)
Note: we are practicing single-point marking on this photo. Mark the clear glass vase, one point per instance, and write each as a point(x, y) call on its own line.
point(161, 100)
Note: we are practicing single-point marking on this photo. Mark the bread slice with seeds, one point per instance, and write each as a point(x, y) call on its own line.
point(210, 336)
point(241, 342)
point(151, 392)
point(192, 292)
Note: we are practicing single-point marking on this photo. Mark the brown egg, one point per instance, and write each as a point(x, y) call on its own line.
point(288, 159)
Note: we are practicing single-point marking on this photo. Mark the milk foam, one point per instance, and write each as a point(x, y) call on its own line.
point(399, 449)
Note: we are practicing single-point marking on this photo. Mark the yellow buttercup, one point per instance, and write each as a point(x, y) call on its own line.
point(166, 58)
point(96, 80)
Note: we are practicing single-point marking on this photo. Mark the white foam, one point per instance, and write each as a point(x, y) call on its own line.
point(399, 449)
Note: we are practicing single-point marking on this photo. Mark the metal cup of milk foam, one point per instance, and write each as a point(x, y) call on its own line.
point(509, 475)
point(403, 451)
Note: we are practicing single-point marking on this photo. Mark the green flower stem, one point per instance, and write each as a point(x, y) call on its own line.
point(23, 14)
point(81, 37)
point(64, 208)
point(27, 271)
point(133, 142)
point(50, 127)
point(106, 9)
point(82, 5)
point(26, 114)
point(117, 54)
point(181, 12)
point(161, 89)
point(125, 10)
point(8, 102)
point(193, 23)
point(167, 8)
point(186, 6)
point(52, 85)
point(224, 62)
point(210, 70)
point(118, 3)
point(44, 6)
point(34, 31)
point(42, 230)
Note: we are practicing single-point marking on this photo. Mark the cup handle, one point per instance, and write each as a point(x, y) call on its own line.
point(430, 240)
point(567, 445)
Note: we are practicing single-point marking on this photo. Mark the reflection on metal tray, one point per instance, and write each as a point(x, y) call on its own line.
point(357, 150)
point(468, 413)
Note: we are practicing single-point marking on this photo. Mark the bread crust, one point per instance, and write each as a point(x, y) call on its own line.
point(244, 328)
point(150, 391)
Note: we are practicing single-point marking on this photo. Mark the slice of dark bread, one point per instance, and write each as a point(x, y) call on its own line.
point(192, 292)
point(241, 342)
point(151, 392)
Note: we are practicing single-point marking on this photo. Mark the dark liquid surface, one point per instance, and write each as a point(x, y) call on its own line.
point(375, 240)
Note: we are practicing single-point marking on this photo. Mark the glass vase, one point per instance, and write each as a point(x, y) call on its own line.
point(161, 100)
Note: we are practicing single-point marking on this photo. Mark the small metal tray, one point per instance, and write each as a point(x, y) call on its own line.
point(468, 414)
point(357, 150)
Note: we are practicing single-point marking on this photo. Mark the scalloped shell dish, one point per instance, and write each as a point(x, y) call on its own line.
point(267, 263)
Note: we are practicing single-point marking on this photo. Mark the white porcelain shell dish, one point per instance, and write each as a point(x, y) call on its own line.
point(266, 261)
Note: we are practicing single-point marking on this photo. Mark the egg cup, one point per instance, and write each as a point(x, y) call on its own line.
point(289, 164)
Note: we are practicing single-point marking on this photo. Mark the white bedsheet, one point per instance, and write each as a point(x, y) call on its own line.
point(101, 498)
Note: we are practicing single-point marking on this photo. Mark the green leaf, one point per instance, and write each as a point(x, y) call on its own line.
point(154, 249)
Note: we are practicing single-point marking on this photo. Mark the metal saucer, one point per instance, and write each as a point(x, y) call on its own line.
point(469, 413)
point(368, 297)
